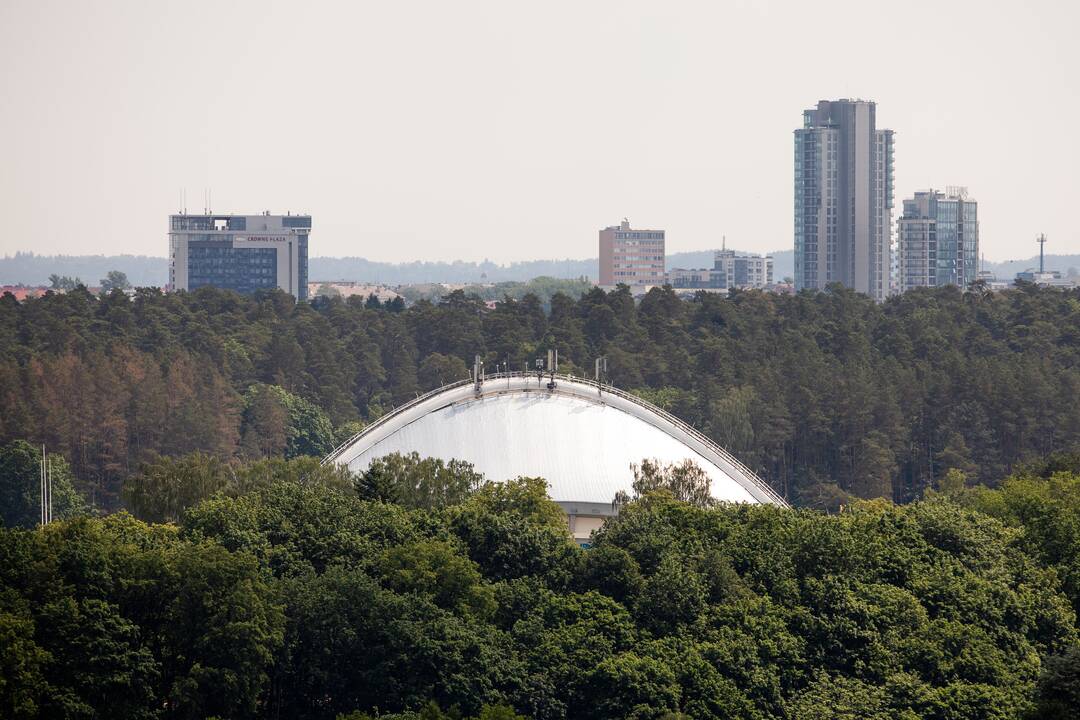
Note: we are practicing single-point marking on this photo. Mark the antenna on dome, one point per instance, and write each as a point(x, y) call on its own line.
point(601, 371)
point(478, 373)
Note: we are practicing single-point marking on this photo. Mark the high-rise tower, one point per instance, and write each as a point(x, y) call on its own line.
point(939, 239)
point(631, 256)
point(843, 198)
point(245, 253)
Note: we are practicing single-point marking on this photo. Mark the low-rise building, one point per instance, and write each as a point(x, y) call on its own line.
point(730, 270)
point(1045, 278)
point(347, 289)
point(990, 280)
point(697, 279)
point(744, 271)
point(23, 292)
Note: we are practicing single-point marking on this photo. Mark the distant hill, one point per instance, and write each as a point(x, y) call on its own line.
point(31, 269)
point(142, 270)
point(364, 270)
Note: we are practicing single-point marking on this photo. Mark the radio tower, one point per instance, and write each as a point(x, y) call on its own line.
point(1042, 244)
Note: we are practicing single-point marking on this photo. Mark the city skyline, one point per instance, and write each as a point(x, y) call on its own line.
point(421, 131)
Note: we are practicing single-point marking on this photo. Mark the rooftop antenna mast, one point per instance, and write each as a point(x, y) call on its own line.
point(1042, 245)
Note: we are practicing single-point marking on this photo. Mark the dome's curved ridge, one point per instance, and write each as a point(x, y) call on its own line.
point(578, 435)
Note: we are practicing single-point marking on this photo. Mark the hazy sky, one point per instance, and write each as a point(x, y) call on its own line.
point(513, 130)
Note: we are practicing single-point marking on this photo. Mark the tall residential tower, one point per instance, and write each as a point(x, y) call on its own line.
point(843, 198)
point(939, 240)
point(239, 252)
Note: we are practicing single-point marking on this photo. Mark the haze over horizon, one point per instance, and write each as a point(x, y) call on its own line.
point(433, 131)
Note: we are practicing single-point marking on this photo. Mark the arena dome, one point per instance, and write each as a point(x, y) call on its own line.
point(580, 436)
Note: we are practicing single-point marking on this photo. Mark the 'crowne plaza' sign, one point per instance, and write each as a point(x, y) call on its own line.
point(263, 238)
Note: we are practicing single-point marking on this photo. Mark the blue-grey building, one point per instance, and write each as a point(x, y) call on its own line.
point(245, 253)
point(843, 198)
point(939, 240)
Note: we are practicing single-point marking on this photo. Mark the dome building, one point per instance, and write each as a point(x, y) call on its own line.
point(580, 436)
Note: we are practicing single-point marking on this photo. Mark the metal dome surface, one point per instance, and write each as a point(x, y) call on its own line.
point(579, 436)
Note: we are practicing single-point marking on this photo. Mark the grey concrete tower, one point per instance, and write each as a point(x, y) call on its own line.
point(843, 199)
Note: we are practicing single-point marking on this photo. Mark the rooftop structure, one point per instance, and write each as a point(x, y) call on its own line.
point(580, 436)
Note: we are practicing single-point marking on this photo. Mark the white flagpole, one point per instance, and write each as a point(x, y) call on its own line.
point(48, 477)
point(42, 480)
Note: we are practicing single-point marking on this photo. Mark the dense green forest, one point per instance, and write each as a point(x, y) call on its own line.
point(246, 580)
point(298, 591)
point(544, 288)
point(826, 395)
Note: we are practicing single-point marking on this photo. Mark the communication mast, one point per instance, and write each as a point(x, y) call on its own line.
point(478, 373)
point(552, 366)
point(1042, 244)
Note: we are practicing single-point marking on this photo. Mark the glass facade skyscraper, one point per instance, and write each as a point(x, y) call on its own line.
point(843, 198)
point(244, 253)
point(939, 240)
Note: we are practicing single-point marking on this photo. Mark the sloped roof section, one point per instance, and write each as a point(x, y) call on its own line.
point(580, 436)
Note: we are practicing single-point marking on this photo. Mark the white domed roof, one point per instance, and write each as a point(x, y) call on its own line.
point(580, 437)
